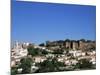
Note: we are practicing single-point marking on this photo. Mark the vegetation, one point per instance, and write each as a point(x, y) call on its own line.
point(82, 40)
point(26, 64)
point(32, 51)
point(50, 65)
point(13, 71)
point(44, 52)
point(59, 51)
point(42, 44)
point(36, 51)
point(83, 64)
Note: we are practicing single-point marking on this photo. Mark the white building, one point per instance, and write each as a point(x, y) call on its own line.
point(18, 52)
point(38, 59)
point(93, 60)
point(77, 53)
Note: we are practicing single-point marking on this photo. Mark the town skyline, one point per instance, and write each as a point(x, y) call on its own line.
point(51, 41)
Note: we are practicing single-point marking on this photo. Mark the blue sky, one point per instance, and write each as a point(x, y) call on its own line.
point(38, 22)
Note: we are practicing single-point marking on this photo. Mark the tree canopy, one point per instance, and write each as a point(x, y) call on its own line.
point(50, 65)
point(26, 64)
point(84, 64)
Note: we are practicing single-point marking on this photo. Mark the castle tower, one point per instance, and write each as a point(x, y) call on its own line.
point(75, 45)
point(67, 45)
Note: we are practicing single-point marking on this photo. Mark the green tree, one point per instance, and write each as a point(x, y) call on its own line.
point(84, 64)
point(83, 40)
point(44, 52)
point(33, 51)
point(42, 44)
point(59, 51)
point(50, 65)
point(13, 70)
point(67, 40)
point(26, 64)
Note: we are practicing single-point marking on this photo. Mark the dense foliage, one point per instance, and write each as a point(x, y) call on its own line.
point(26, 64)
point(84, 64)
point(50, 65)
point(13, 71)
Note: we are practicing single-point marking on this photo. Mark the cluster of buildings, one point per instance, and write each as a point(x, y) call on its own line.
point(69, 60)
point(75, 52)
point(18, 51)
